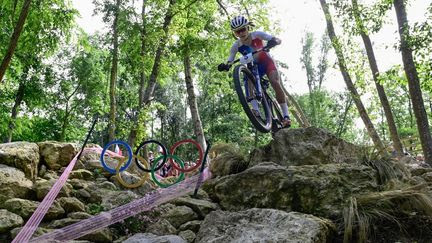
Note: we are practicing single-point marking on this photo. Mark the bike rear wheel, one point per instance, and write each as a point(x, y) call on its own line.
point(244, 82)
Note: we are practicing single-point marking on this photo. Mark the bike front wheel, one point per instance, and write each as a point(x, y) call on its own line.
point(255, 107)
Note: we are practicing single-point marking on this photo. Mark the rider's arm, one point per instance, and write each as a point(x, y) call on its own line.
point(267, 37)
point(233, 52)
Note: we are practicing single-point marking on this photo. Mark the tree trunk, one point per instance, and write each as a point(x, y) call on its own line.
point(397, 145)
point(162, 128)
point(134, 129)
point(159, 52)
point(413, 83)
point(198, 129)
point(14, 39)
point(341, 124)
point(18, 99)
point(356, 97)
point(68, 111)
point(65, 123)
point(113, 77)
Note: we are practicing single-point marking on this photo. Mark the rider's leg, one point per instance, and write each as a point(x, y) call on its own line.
point(273, 76)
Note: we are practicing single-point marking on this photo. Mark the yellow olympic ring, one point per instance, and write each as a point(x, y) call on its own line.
point(139, 183)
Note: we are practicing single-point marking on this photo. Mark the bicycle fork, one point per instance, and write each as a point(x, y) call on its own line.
point(258, 88)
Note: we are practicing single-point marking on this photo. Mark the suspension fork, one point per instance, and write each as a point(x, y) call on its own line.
point(258, 88)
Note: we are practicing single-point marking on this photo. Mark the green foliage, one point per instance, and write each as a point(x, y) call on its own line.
point(335, 111)
point(66, 72)
point(94, 208)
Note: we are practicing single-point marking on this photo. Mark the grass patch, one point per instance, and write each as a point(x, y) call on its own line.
point(389, 206)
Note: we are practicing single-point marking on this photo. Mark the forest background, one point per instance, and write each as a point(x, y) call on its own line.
point(151, 71)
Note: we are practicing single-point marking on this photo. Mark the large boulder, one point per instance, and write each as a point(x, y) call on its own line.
point(264, 225)
point(14, 184)
point(21, 155)
point(315, 189)
point(9, 221)
point(306, 146)
point(56, 155)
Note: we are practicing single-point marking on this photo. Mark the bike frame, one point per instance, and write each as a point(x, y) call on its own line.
point(261, 86)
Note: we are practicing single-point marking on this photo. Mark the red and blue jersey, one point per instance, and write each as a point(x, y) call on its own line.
point(264, 60)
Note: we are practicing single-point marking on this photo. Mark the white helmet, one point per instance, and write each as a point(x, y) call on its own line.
point(239, 22)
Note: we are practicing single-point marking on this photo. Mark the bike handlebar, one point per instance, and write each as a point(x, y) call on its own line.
point(266, 49)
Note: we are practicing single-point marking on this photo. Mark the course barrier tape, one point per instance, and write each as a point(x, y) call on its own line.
point(149, 201)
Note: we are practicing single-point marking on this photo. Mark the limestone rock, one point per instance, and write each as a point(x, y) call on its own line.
point(180, 215)
point(81, 174)
point(187, 235)
point(71, 204)
point(113, 199)
point(306, 146)
point(39, 231)
point(25, 208)
point(201, 207)
point(100, 236)
point(193, 225)
point(228, 163)
point(78, 184)
point(78, 215)
point(320, 190)
point(107, 185)
point(42, 187)
point(60, 223)
point(21, 155)
point(264, 225)
point(14, 184)
point(9, 221)
point(56, 155)
point(161, 227)
point(151, 238)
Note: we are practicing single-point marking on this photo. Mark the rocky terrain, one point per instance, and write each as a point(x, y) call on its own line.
point(298, 188)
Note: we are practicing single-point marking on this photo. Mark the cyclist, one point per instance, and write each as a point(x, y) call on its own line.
point(246, 43)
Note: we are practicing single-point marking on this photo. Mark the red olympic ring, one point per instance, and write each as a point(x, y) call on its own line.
point(201, 155)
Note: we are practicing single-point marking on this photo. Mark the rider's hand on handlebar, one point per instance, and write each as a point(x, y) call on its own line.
point(224, 67)
point(272, 43)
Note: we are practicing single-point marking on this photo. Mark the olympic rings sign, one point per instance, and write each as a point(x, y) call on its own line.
point(126, 160)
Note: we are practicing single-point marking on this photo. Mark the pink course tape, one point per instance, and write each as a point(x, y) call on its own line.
point(37, 216)
point(105, 219)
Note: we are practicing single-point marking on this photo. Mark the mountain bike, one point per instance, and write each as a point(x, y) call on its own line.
point(251, 86)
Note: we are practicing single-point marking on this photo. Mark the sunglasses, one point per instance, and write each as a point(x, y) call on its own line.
point(241, 30)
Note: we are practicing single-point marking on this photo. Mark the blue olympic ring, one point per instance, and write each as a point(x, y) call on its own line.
point(129, 151)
